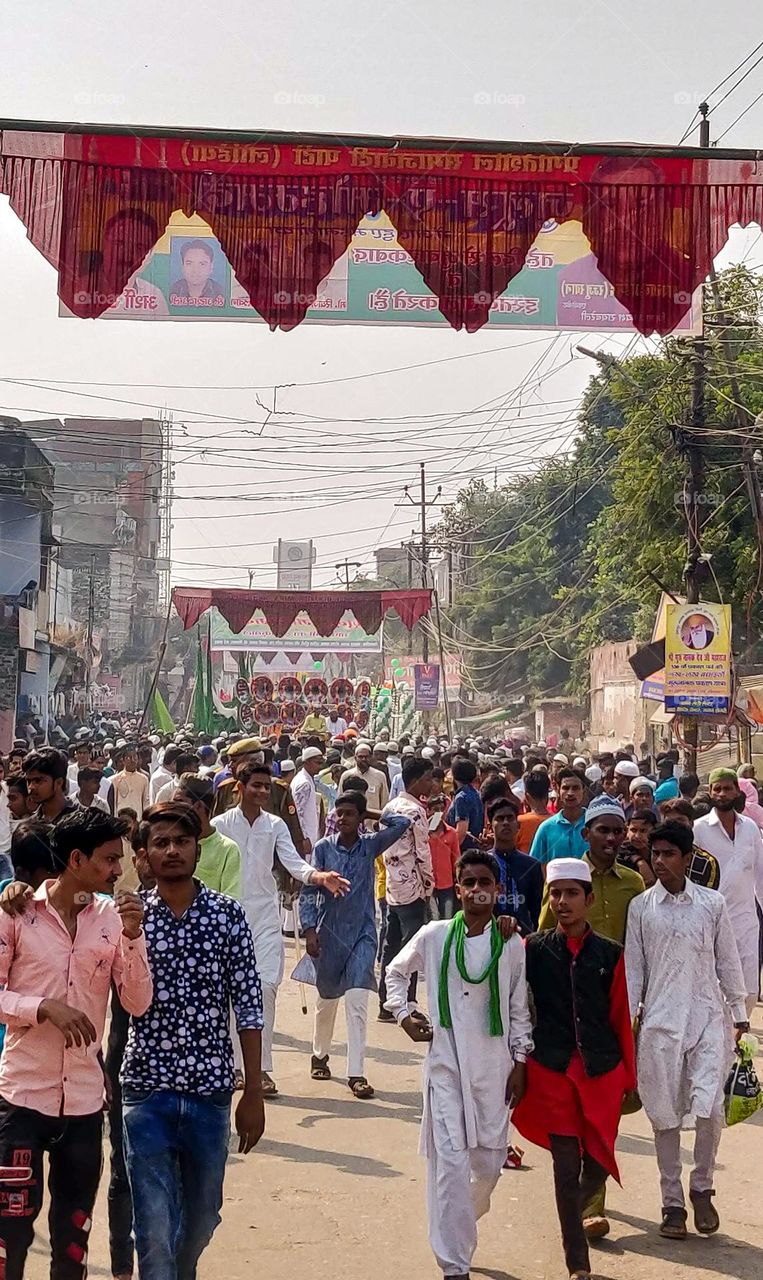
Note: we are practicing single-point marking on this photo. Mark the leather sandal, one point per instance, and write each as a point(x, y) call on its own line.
point(360, 1087)
point(319, 1068)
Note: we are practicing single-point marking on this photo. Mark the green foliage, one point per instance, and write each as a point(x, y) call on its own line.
point(558, 561)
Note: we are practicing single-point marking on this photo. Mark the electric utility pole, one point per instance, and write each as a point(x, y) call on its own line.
point(344, 567)
point(423, 504)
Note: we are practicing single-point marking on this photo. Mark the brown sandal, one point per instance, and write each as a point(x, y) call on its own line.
point(360, 1087)
point(319, 1068)
point(269, 1087)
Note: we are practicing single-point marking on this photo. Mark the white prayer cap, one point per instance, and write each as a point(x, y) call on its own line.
point(427, 753)
point(431, 742)
point(638, 784)
point(408, 751)
point(626, 769)
point(579, 762)
point(568, 869)
point(560, 759)
point(594, 773)
point(287, 766)
point(312, 753)
point(363, 746)
point(393, 746)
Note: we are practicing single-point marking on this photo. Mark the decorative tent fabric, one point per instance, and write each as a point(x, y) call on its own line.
point(284, 211)
point(325, 608)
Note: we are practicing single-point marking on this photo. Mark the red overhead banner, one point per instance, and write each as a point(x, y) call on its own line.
point(284, 211)
point(325, 608)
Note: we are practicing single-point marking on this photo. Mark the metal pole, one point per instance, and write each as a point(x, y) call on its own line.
point(694, 482)
point(442, 663)
point(162, 651)
point(424, 553)
point(89, 641)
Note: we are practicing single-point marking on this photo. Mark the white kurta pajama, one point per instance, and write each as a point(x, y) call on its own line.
point(259, 842)
point(682, 964)
point(464, 1129)
point(741, 864)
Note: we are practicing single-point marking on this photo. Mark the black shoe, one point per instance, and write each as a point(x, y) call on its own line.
point(706, 1219)
point(673, 1225)
point(384, 1015)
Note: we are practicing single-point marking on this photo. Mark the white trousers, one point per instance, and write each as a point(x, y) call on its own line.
point(269, 993)
point(459, 1187)
point(667, 1142)
point(356, 1018)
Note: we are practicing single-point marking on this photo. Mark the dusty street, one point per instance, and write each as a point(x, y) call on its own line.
point(336, 1187)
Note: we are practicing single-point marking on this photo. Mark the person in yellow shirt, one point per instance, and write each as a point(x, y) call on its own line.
point(314, 724)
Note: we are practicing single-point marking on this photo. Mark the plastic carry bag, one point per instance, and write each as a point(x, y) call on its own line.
point(743, 1094)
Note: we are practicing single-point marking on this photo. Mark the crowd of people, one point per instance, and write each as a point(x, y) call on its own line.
point(585, 927)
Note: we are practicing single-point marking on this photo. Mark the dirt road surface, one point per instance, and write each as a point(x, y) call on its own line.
point(336, 1188)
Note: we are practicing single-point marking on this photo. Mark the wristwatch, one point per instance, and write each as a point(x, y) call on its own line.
point(741, 1026)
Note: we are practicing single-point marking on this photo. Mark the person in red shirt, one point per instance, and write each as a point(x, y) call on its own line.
point(445, 850)
point(583, 1059)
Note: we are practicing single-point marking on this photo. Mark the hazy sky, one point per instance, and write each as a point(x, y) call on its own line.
point(333, 461)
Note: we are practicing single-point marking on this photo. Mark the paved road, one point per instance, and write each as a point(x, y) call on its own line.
point(336, 1189)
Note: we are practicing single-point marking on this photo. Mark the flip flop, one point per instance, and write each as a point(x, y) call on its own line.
point(269, 1087)
point(319, 1068)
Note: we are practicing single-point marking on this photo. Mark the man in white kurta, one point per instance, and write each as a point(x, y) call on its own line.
point(737, 844)
point(682, 966)
point(261, 837)
point(305, 795)
point(464, 1131)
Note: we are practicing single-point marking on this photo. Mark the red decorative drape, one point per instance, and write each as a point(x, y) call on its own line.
point(325, 608)
point(95, 205)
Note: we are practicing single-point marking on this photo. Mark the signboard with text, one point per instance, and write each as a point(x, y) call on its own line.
point(698, 658)
point(426, 683)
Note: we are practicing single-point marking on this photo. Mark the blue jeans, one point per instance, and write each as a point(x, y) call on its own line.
point(176, 1146)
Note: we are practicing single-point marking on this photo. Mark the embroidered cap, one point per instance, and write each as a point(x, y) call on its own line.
point(568, 869)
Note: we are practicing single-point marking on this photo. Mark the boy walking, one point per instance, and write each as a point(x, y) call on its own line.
point(582, 1063)
point(683, 967)
point(476, 1044)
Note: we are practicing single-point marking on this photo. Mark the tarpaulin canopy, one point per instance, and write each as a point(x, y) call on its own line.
point(325, 608)
point(284, 207)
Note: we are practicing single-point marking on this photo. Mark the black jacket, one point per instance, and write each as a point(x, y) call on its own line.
point(571, 998)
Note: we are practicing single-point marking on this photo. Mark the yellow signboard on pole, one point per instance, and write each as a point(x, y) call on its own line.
point(698, 659)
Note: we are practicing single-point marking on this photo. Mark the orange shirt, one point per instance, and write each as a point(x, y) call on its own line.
point(445, 850)
point(528, 825)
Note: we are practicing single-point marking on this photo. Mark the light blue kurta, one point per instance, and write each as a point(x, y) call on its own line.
point(347, 926)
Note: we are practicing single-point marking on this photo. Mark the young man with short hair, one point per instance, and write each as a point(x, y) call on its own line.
point(562, 835)
point(340, 934)
point(475, 1067)
point(58, 957)
point(467, 812)
point(177, 1073)
point(46, 778)
point(219, 865)
point(704, 869)
point(582, 1062)
point(537, 789)
point(262, 839)
point(129, 786)
point(409, 875)
point(683, 973)
point(521, 876)
point(88, 785)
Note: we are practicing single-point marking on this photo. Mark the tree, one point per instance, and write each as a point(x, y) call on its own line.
point(566, 558)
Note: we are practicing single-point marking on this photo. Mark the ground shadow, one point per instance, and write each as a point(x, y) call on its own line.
point(392, 1057)
point(351, 1108)
point(492, 1273)
point(721, 1254)
point(358, 1166)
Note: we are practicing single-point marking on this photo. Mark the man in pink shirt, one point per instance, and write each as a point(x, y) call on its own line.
point(58, 958)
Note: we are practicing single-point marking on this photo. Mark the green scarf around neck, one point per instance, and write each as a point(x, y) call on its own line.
point(457, 933)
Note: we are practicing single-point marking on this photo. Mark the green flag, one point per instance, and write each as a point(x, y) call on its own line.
point(160, 714)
